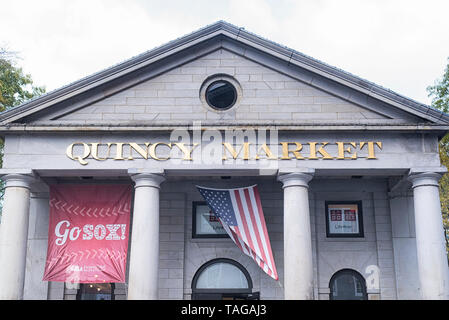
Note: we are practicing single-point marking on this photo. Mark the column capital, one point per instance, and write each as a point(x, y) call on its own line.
point(147, 180)
point(415, 170)
point(424, 179)
point(300, 179)
point(18, 180)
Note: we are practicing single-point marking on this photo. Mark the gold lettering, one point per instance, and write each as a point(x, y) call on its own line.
point(185, 150)
point(267, 151)
point(342, 150)
point(152, 150)
point(94, 152)
point(230, 148)
point(143, 152)
point(371, 154)
point(323, 152)
point(345, 150)
point(80, 159)
point(285, 151)
point(118, 150)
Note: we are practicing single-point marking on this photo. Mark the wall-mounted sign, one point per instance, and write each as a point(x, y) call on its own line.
point(88, 233)
point(82, 152)
point(344, 219)
point(205, 224)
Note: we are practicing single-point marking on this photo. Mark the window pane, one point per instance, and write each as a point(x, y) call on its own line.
point(206, 222)
point(222, 276)
point(221, 94)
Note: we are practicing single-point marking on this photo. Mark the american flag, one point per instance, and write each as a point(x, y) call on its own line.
point(240, 212)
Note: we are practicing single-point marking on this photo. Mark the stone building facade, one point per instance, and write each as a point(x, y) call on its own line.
point(315, 136)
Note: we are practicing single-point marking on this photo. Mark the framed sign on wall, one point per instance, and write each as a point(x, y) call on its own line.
point(344, 219)
point(205, 224)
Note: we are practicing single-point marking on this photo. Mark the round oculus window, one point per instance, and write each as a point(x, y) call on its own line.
point(221, 95)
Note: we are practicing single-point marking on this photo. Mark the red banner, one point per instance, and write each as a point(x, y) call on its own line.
point(88, 233)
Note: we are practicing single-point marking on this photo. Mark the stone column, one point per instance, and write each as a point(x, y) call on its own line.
point(35, 288)
point(144, 255)
point(298, 266)
point(13, 235)
point(430, 244)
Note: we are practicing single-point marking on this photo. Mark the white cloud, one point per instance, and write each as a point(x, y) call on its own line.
point(402, 45)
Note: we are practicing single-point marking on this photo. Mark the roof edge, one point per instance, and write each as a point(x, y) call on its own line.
point(374, 90)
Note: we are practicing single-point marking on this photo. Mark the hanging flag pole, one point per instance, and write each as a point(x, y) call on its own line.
point(240, 212)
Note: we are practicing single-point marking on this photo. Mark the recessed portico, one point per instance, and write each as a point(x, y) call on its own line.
point(300, 204)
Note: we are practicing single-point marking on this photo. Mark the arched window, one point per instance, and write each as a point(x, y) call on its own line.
point(222, 279)
point(347, 284)
point(95, 291)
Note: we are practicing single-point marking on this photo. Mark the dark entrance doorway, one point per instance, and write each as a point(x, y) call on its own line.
point(347, 284)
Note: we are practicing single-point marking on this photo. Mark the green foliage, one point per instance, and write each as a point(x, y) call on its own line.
point(15, 86)
point(444, 187)
point(440, 100)
point(440, 92)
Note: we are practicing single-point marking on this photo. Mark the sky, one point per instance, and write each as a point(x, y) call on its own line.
point(400, 45)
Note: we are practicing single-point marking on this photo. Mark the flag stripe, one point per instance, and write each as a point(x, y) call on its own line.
point(244, 247)
point(261, 236)
point(235, 238)
point(259, 223)
point(270, 252)
point(247, 226)
point(244, 223)
point(238, 237)
point(259, 226)
point(253, 225)
point(240, 231)
point(253, 233)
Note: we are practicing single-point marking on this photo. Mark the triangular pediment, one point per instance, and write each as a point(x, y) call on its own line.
point(275, 85)
point(264, 94)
